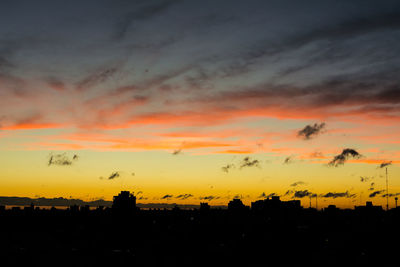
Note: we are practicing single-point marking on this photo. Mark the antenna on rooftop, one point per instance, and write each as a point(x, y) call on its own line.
point(387, 191)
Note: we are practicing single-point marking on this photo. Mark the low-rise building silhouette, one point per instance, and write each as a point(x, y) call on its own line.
point(236, 205)
point(274, 203)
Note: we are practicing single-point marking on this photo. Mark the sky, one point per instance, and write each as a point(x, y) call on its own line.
point(194, 101)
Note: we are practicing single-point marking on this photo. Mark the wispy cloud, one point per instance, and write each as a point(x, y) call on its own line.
point(114, 175)
point(385, 164)
point(61, 159)
point(227, 168)
point(346, 194)
point(184, 196)
point(365, 178)
point(288, 160)
point(167, 196)
point(248, 162)
point(209, 198)
point(263, 195)
point(376, 193)
point(298, 183)
point(140, 13)
point(177, 152)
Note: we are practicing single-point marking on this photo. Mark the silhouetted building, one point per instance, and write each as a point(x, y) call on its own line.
point(369, 207)
point(236, 205)
point(124, 202)
point(204, 206)
point(274, 204)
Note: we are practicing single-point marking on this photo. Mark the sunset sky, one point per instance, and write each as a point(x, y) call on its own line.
point(194, 101)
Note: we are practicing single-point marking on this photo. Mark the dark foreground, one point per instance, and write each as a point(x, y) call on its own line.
point(199, 237)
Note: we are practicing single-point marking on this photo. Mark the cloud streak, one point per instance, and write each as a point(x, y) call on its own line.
point(114, 175)
point(248, 162)
point(61, 159)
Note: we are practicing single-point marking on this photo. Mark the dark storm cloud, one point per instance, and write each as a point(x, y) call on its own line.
point(227, 168)
point(338, 194)
point(248, 162)
point(303, 193)
point(298, 183)
point(375, 193)
point(114, 175)
point(385, 164)
point(61, 159)
point(311, 131)
point(344, 156)
point(184, 196)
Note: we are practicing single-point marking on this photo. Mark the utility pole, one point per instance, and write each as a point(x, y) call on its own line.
point(387, 191)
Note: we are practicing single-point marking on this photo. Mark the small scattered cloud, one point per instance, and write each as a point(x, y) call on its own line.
point(209, 198)
point(344, 156)
point(365, 178)
point(371, 187)
point(391, 195)
point(184, 196)
point(385, 164)
point(248, 162)
point(288, 192)
point(288, 160)
point(303, 193)
point(338, 194)
point(227, 168)
point(114, 175)
point(167, 196)
point(263, 195)
point(61, 159)
point(311, 131)
point(177, 152)
point(298, 183)
point(376, 193)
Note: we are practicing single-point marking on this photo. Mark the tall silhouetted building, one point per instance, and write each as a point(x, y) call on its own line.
point(124, 202)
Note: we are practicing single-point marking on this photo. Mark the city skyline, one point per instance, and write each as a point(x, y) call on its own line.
point(189, 102)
